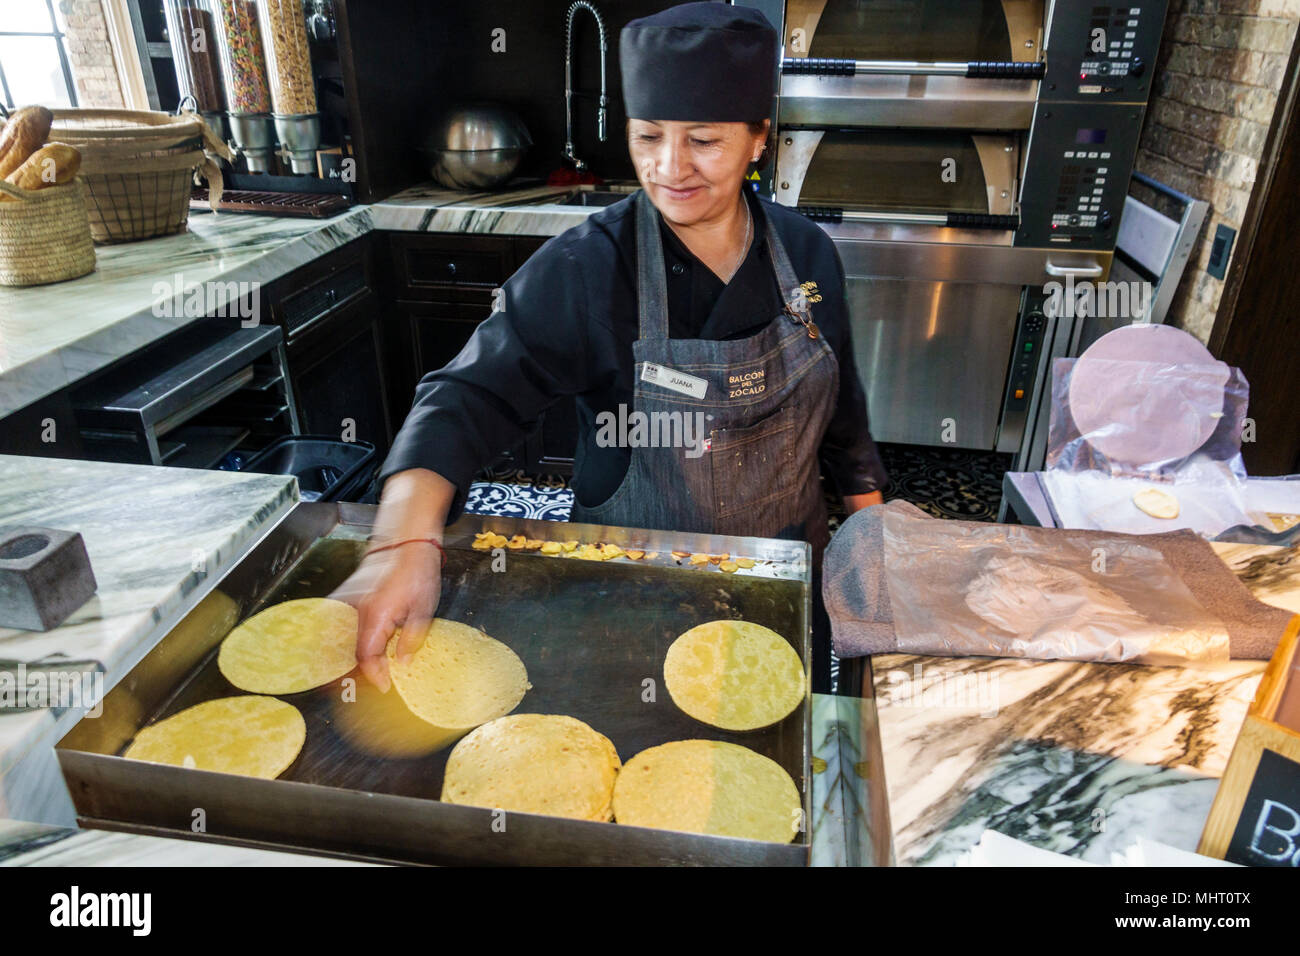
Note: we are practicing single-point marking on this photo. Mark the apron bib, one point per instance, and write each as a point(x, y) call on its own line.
point(725, 434)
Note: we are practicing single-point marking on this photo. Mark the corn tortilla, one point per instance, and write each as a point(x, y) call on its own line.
point(291, 647)
point(734, 675)
point(708, 786)
point(251, 736)
point(459, 678)
point(381, 724)
point(534, 763)
point(1157, 503)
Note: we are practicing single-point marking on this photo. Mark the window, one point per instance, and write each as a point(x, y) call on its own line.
point(34, 64)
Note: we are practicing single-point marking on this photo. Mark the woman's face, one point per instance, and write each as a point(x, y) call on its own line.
point(692, 171)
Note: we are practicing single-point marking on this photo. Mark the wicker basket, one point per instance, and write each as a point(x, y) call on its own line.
point(45, 235)
point(139, 168)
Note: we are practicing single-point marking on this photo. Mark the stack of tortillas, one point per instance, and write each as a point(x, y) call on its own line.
point(708, 786)
point(253, 736)
point(534, 763)
point(734, 675)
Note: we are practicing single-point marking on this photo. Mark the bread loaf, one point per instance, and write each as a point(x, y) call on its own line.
point(52, 165)
point(23, 135)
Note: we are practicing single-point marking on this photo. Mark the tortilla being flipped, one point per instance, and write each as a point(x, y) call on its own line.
point(534, 763)
point(251, 736)
point(734, 675)
point(708, 786)
point(291, 647)
point(460, 677)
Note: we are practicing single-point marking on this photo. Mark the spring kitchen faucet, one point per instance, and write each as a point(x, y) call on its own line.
point(568, 81)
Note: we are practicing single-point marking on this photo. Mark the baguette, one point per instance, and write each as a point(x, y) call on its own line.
point(23, 135)
point(52, 165)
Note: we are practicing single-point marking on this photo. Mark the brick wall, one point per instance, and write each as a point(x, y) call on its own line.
point(1220, 67)
point(91, 56)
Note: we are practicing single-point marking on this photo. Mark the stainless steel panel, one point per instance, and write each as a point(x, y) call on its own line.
point(590, 633)
point(933, 357)
point(933, 102)
point(931, 253)
point(1061, 341)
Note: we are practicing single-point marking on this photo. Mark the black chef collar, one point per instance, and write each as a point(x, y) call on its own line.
point(701, 305)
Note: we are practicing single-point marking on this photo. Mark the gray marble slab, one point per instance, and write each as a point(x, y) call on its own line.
point(154, 537)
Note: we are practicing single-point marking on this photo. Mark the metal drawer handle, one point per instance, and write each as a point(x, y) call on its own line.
point(1092, 271)
point(451, 268)
point(974, 69)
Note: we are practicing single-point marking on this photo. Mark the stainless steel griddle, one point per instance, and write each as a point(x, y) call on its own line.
point(591, 633)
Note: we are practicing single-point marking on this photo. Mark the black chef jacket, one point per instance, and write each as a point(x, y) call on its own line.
point(567, 325)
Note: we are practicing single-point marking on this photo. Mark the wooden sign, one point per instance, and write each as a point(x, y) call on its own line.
point(1255, 818)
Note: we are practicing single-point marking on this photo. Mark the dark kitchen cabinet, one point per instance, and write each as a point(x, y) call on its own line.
point(438, 331)
point(336, 377)
point(442, 290)
point(331, 317)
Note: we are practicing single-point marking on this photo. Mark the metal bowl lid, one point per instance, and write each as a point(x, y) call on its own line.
point(478, 128)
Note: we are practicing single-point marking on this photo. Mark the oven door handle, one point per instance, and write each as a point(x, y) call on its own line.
point(975, 69)
point(1091, 271)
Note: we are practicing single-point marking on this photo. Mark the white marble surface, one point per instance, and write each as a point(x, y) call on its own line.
point(1073, 757)
point(54, 335)
point(154, 537)
point(34, 844)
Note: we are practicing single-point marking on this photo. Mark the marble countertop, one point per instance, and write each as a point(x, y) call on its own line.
point(1072, 757)
point(54, 335)
point(36, 844)
point(154, 537)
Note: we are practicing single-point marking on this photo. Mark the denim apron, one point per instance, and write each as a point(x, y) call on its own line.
point(765, 404)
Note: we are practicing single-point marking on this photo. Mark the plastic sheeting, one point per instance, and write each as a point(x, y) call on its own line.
point(1118, 427)
point(1014, 591)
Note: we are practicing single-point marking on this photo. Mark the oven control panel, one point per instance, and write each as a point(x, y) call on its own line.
point(1080, 158)
point(1102, 52)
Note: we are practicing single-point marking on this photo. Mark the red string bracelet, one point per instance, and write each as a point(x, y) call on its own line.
point(395, 544)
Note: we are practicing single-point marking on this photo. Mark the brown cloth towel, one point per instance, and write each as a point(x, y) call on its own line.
point(857, 598)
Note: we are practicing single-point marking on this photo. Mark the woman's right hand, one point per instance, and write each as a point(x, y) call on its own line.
point(396, 588)
point(400, 586)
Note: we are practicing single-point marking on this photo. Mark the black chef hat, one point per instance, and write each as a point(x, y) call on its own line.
point(705, 62)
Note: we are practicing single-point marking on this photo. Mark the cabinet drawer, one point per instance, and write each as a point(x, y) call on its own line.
point(317, 300)
point(425, 264)
point(307, 296)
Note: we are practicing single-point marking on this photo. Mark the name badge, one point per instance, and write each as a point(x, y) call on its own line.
point(674, 380)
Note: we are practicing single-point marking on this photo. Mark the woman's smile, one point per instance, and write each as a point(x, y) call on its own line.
point(683, 194)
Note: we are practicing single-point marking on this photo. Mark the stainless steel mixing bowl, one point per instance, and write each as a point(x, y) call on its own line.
point(475, 147)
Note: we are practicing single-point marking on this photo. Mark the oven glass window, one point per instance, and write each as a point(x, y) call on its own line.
point(910, 29)
point(896, 170)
